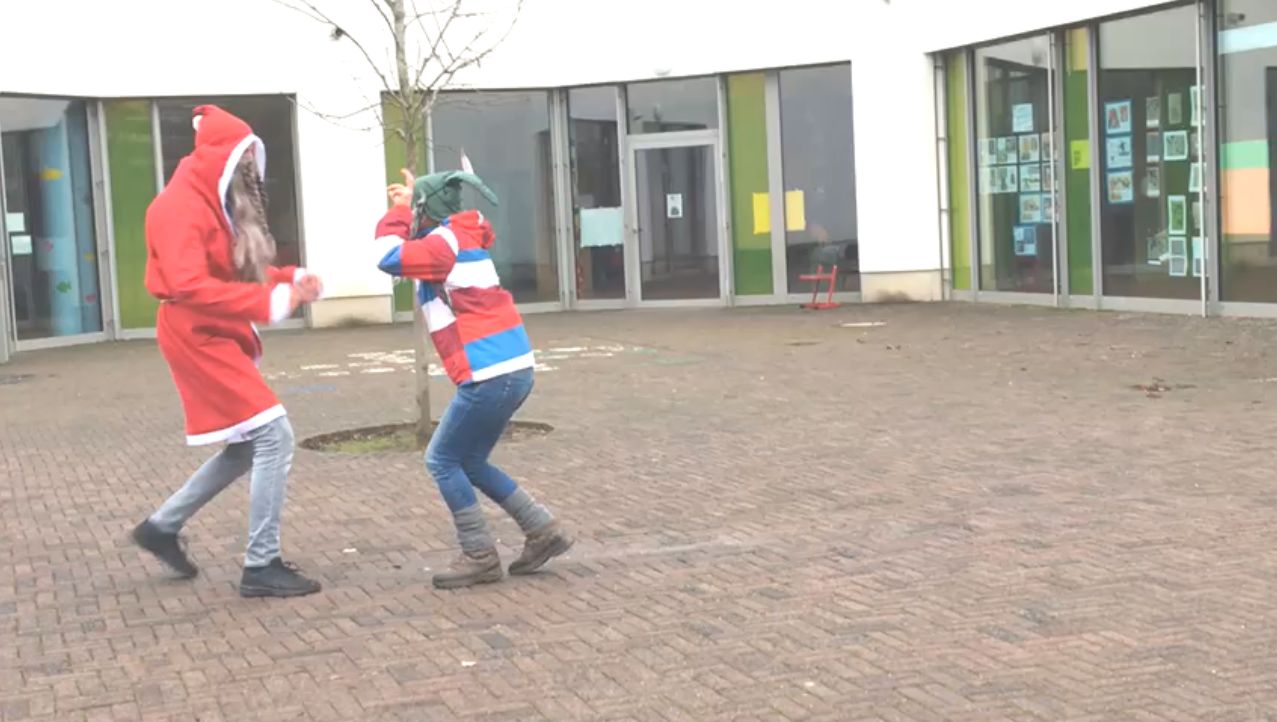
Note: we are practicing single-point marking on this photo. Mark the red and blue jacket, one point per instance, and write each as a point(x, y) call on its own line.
point(473, 322)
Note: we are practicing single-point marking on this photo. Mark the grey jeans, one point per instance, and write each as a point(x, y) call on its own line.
point(269, 453)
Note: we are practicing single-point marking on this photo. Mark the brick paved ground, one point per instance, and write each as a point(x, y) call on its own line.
point(965, 514)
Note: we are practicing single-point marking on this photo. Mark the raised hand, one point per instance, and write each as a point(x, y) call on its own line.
point(401, 193)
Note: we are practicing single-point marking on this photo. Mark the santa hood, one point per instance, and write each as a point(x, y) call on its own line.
point(221, 139)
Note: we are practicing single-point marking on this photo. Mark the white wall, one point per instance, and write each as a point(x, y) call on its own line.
point(943, 24)
point(114, 49)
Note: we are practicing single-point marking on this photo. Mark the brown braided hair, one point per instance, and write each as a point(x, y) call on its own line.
point(253, 246)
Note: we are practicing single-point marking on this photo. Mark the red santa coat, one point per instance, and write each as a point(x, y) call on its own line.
point(205, 326)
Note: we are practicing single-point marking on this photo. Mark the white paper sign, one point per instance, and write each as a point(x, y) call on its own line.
point(673, 205)
point(1022, 118)
point(602, 227)
point(15, 222)
point(21, 244)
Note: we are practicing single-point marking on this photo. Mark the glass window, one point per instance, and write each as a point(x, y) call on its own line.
point(1150, 220)
point(506, 136)
point(748, 183)
point(818, 158)
point(271, 118)
point(598, 221)
point(49, 223)
point(1248, 135)
point(665, 106)
point(1014, 178)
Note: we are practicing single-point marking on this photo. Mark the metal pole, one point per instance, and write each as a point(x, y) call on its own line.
point(1199, 121)
point(1052, 79)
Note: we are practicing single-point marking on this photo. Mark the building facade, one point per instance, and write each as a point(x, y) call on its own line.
point(1098, 154)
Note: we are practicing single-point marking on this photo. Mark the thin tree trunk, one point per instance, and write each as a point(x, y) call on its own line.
point(420, 347)
point(407, 96)
point(421, 356)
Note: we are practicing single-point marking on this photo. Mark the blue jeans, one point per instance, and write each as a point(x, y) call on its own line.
point(469, 430)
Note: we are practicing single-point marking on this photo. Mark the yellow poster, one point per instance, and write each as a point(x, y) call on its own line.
point(762, 214)
point(795, 211)
point(1080, 154)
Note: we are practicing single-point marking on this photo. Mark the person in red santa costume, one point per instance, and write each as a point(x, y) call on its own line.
point(209, 263)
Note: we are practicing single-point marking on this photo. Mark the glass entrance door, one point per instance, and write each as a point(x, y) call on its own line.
point(679, 247)
point(1015, 122)
point(52, 283)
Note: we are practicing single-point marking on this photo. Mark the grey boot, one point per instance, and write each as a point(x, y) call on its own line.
point(470, 568)
point(541, 546)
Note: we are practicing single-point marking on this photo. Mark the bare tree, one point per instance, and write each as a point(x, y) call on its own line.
point(415, 48)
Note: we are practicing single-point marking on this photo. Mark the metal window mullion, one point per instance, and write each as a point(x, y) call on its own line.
point(101, 203)
point(1097, 193)
point(1197, 121)
point(629, 201)
point(1053, 105)
point(726, 260)
point(776, 184)
point(1059, 147)
point(8, 319)
point(117, 323)
point(1208, 194)
point(430, 138)
point(157, 146)
point(564, 236)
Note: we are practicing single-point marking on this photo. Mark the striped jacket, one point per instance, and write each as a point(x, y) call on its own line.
point(473, 323)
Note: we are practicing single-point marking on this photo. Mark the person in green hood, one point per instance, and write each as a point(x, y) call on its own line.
point(485, 349)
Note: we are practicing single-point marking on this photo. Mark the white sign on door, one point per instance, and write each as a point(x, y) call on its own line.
point(673, 205)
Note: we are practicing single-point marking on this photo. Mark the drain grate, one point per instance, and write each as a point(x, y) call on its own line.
point(12, 379)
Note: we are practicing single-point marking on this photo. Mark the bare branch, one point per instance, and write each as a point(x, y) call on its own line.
point(473, 53)
point(338, 120)
point(353, 113)
point(440, 38)
point(338, 33)
point(465, 59)
point(319, 18)
point(390, 28)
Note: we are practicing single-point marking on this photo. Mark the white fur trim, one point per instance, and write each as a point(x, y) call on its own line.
point(299, 273)
point(279, 302)
point(225, 181)
point(239, 432)
point(257, 335)
point(195, 122)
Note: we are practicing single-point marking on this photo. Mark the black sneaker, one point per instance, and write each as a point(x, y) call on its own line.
point(277, 579)
point(166, 547)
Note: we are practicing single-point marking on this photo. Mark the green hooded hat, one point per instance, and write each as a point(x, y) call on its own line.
point(438, 195)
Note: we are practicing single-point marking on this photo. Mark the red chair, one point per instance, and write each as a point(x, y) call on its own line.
point(816, 278)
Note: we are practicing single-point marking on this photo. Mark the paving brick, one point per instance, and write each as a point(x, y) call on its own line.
point(967, 513)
